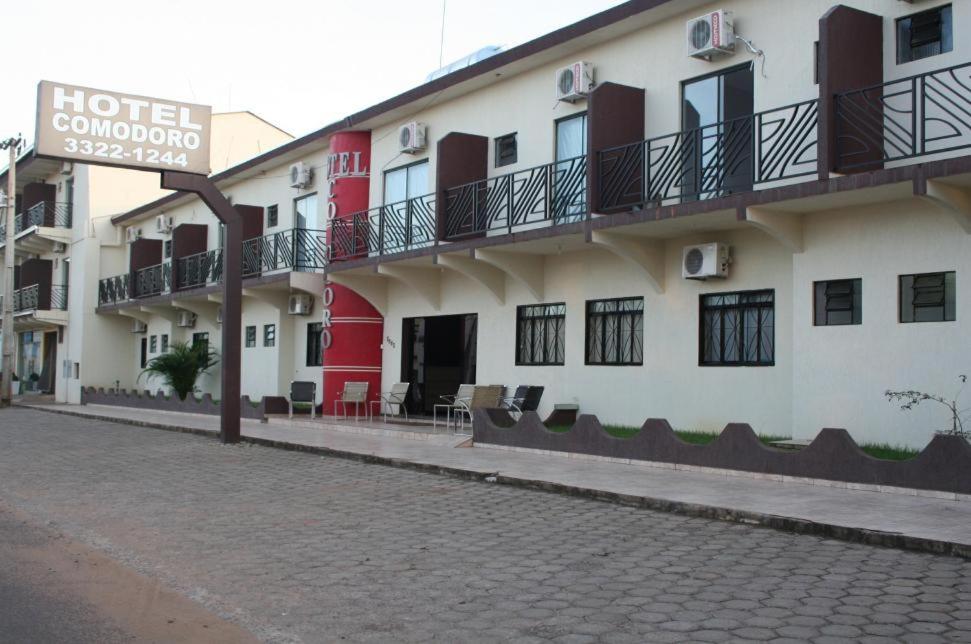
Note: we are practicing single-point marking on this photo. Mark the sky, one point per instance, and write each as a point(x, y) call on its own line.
point(298, 64)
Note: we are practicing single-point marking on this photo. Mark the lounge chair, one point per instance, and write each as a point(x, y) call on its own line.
point(302, 391)
point(526, 398)
point(451, 401)
point(483, 397)
point(354, 393)
point(396, 397)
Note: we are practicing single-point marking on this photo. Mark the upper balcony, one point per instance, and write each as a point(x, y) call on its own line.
point(268, 259)
point(40, 228)
point(897, 138)
point(37, 302)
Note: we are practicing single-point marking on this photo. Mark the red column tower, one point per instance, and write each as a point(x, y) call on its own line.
point(353, 328)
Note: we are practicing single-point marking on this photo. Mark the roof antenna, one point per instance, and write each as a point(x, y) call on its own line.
point(441, 41)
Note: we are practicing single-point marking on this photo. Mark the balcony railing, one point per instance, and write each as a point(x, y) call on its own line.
point(554, 193)
point(924, 114)
point(298, 249)
point(200, 269)
point(28, 299)
point(153, 280)
point(736, 155)
point(112, 290)
point(392, 228)
point(50, 215)
point(25, 299)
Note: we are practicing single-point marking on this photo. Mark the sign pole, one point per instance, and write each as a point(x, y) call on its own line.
point(6, 387)
point(232, 293)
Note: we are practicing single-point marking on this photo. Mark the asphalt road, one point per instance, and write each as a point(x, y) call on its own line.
point(295, 547)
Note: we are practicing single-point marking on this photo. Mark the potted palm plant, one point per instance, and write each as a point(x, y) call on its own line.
point(181, 366)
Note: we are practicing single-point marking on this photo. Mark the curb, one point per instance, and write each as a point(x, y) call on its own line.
point(786, 524)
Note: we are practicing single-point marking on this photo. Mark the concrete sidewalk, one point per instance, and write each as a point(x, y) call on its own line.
point(890, 519)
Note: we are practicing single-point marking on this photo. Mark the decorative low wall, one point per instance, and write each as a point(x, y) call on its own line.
point(944, 465)
point(147, 400)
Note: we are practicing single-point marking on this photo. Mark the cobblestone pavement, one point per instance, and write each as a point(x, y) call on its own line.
point(297, 547)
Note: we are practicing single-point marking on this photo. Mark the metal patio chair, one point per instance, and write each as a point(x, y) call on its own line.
point(451, 401)
point(354, 393)
point(526, 398)
point(483, 397)
point(396, 397)
point(302, 391)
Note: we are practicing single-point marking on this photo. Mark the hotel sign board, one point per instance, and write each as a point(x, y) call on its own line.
point(109, 128)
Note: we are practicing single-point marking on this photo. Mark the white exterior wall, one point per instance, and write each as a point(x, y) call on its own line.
point(653, 58)
point(841, 372)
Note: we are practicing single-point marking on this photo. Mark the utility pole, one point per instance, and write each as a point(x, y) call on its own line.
point(6, 386)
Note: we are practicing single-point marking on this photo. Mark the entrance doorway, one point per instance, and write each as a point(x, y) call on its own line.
point(438, 355)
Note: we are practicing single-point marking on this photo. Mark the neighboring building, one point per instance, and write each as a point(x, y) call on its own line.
point(818, 174)
point(64, 239)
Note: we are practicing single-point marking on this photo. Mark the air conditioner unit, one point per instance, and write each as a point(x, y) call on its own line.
point(137, 326)
point(133, 234)
point(702, 261)
point(301, 304)
point(574, 82)
point(60, 248)
point(411, 137)
point(187, 319)
point(301, 175)
point(711, 35)
point(219, 315)
point(163, 224)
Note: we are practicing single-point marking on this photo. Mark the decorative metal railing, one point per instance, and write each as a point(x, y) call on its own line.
point(112, 290)
point(153, 280)
point(297, 249)
point(59, 297)
point(200, 269)
point(554, 192)
point(737, 155)
point(25, 299)
point(49, 214)
point(391, 228)
point(924, 114)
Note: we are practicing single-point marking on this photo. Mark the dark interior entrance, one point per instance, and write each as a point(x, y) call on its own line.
point(438, 355)
point(49, 369)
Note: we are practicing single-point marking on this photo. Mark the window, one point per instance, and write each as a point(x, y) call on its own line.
point(153, 344)
point(407, 182)
point(838, 302)
point(269, 335)
point(167, 249)
point(570, 183)
point(201, 340)
point(315, 349)
point(164, 343)
point(924, 34)
point(250, 337)
point(272, 216)
point(506, 152)
point(540, 334)
point(305, 213)
point(720, 158)
point(928, 297)
point(615, 332)
point(143, 359)
point(738, 329)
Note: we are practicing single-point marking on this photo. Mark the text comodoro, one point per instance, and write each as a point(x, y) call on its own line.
point(185, 135)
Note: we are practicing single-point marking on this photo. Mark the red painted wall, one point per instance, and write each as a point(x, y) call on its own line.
point(353, 328)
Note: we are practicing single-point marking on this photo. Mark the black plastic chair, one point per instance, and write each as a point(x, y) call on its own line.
point(302, 391)
point(525, 398)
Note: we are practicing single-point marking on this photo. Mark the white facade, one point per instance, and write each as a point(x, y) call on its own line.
point(819, 376)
